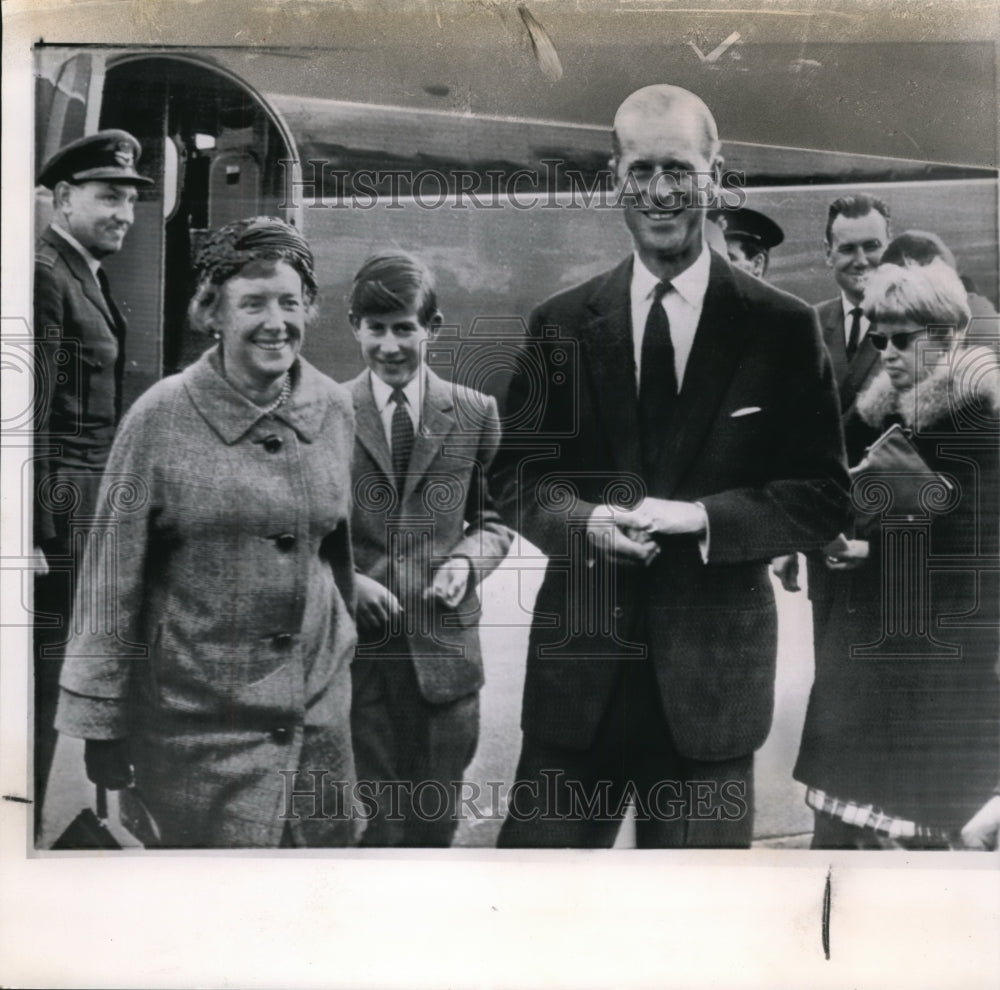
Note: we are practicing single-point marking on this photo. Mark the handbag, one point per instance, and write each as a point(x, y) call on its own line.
point(891, 477)
point(89, 829)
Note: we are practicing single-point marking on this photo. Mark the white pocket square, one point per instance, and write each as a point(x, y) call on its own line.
point(745, 411)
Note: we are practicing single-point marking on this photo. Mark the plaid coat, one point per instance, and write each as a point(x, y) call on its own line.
point(223, 646)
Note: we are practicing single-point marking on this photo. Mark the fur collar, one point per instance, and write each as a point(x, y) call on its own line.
point(966, 378)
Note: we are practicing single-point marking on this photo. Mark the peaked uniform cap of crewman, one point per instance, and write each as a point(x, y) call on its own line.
point(107, 156)
point(749, 225)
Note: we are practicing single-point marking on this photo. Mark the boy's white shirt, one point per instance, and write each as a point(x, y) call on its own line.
point(382, 394)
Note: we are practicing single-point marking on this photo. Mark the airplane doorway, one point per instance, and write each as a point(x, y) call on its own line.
point(213, 147)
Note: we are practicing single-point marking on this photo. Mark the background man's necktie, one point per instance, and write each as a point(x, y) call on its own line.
point(402, 436)
point(854, 337)
point(657, 379)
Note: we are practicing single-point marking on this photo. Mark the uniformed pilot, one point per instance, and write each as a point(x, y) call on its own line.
point(749, 238)
point(79, 334)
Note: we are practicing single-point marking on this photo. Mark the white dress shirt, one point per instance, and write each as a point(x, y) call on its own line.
point(382, 394)
point(865, 324)
point(683, 306)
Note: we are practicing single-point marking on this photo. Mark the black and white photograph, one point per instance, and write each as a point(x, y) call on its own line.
point(526, 468)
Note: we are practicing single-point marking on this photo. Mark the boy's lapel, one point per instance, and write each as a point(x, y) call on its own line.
point(437, 420)
point(368, 426)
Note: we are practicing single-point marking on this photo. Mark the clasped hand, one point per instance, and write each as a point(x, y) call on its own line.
point(377, 606)
point(626, 535)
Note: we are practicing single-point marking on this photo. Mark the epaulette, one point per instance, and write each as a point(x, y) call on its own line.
point(45, 255)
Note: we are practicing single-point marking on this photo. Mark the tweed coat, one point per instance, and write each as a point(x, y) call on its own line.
point(755, 438)
point(917, 733)
point(228, 569)
point(79, 364)
point(444, 510)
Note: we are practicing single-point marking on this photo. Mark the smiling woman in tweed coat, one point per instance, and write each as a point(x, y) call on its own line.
point(220, 657)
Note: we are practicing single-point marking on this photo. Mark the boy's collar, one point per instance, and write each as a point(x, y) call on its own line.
point(413, 389)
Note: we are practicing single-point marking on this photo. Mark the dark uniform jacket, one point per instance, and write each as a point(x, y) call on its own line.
point(78, 373)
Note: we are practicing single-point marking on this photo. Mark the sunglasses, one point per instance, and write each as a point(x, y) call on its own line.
point(901, 341)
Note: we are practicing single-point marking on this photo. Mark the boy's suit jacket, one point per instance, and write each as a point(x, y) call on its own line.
point(755, 438)
point(445, 510)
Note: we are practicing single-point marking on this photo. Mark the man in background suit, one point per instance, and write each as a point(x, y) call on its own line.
point(425, 533)
point(857, 234)
point(79, 334)
point(670, 426)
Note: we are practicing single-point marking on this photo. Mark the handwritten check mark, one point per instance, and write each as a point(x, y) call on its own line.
point(716, 53)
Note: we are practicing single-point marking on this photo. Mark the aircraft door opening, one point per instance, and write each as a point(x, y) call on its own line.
point(213, 148)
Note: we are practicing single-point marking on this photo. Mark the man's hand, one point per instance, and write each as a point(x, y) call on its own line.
point(786, 570)
point(664, 516)
point(845, 555)
point(983, 828)
point(108, 764)
point(450, 582)
point(620, 542)
point(38, 562)
point(376, 604)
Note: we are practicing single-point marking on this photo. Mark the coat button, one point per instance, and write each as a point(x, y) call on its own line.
point(281, 733)
point(284, 542)
point(272, 444)
point(282, 641)
point(618, 612)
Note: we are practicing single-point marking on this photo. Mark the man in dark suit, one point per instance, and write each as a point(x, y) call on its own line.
point(670, 426)
point(79, 334)
point(425, 533)
point(856, 236)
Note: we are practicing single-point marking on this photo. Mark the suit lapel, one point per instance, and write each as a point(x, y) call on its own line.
point(858, 371)
point(831, 315)
point(436, 422)
point(82, 273)
point(609, 354)
point(368, 425)
point(711, 365)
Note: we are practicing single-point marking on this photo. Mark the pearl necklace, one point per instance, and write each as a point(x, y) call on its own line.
point(286, 390)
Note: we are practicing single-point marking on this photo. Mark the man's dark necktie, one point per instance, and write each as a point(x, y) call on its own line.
point(854, 336)
point(657, 380)
point(402, 437)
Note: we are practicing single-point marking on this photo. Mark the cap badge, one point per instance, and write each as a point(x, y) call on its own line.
point(124, 154)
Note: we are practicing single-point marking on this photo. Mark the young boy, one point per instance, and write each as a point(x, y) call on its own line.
point(425, 533)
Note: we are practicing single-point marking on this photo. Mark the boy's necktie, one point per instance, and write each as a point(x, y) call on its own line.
point(402, 437)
